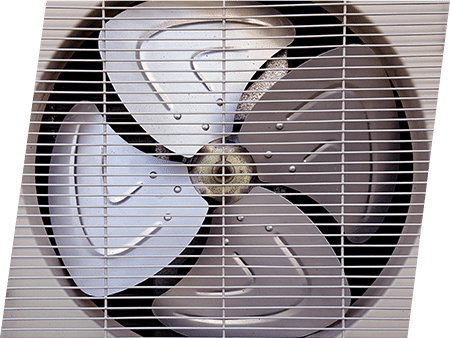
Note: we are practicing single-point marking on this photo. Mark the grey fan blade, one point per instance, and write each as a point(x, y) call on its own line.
point(179, 78)
point(331, 131)
point(261, 274)
point(112, 206)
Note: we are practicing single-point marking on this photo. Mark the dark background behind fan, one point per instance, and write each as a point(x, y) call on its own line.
point(20, 47)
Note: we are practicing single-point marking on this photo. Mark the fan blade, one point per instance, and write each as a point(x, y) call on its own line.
point(180, 79)
point(265, 272)
point(112, 206)
point(341, 147)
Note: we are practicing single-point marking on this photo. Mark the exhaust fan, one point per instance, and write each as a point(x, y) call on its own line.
point(225, 169)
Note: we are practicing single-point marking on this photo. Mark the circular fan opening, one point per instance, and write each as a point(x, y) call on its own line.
point(84, 81)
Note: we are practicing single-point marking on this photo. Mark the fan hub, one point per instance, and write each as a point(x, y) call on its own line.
point(222, 171)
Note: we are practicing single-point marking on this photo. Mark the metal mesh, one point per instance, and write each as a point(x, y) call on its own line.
point(229, 169)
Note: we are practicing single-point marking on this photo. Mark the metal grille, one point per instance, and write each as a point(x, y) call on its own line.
point(225, 168)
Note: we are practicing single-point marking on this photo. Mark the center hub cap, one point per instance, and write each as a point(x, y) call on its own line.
point(222, 171)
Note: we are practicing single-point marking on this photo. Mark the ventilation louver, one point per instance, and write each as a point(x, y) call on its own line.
point(225, 168)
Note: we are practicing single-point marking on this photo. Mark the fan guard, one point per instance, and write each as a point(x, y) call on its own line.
point(134, 164)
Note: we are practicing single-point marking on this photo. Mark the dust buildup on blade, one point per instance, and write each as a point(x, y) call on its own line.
point(273, 70)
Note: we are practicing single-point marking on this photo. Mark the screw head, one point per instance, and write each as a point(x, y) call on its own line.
point(167, 217)
point(268, 154)
point(177, 116)
point(153, 174)
point(205, 127)
point(177, 189)
point(226, 241)
point(240, 218)
point(219, 102)
point(269, 228)
point(292, 168)
point(279, 126)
